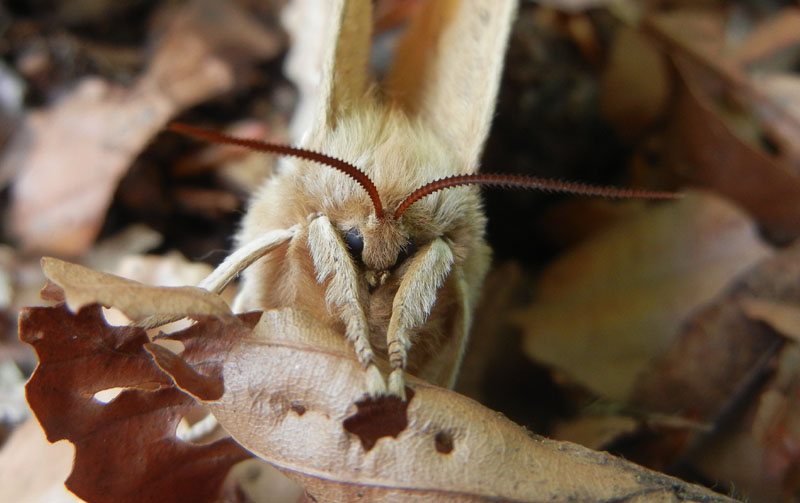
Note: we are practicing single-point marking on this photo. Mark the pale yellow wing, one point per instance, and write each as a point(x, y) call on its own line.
point(447, 69)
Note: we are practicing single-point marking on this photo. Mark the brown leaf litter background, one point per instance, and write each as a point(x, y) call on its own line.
point(664, 333)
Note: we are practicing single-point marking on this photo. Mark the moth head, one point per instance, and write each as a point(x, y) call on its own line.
point(381, 243)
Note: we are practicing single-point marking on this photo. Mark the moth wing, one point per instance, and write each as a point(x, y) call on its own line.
point(447, 69)
point(344, 78)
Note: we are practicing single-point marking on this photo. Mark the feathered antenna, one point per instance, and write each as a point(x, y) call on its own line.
point(530, 183)
point(301, 153)
point(493, 180)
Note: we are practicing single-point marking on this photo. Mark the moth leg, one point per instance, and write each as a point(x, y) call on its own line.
point(231, 267)
point(413, 303)
point(331, 260)
point(457, 344)
point(241, 259)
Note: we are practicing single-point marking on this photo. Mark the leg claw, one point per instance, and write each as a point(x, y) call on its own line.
point(376, 386)
point(397, 384)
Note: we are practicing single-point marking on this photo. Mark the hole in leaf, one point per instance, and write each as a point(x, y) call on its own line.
point(105, 396)
point(114, 317)
point(198, 427)
point(380, 417)
point(443, 442)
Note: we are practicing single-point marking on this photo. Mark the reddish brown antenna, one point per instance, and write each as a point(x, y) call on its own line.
point(528, 182)
point(275, 148)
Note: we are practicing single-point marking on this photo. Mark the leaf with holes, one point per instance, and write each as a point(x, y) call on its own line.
point(126, 450)
point(290, 390)
point(295, 396)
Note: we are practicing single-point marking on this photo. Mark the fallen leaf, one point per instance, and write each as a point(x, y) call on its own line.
point(595, 432)
point(171, 269)
point(126, 450)
point(726, 132)
point(635, 87)
point(760, 451)
point(294, 394)
point(722, 350)
point(83, 286)
point(135, 239)
point(73, 154)
point(777, 33)
point(607, 308)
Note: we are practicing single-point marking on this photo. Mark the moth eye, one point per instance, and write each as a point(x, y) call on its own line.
point(355, 244)
point(406, 251)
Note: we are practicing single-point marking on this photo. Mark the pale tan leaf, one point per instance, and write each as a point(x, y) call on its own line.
point(635, 84)
point(309, 418)
point(761, 449)
point(83, 286)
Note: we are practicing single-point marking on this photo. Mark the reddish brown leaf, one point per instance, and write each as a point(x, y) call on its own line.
point(126, 450)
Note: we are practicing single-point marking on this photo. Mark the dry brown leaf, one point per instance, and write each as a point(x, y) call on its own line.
point(126, 450)
point(778, 33)
point(722, 350)
point(172, 269)
point(74, 153)
point(712, 145)
point(607, 308)
point(83, 286)
point(135, 239)
point(294, 395)
point(714, 373)
point(761, 450)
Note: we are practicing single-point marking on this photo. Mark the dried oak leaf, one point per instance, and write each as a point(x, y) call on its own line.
point(70, 157)
point(126, 450)
point(292, 392)
point(760, 451)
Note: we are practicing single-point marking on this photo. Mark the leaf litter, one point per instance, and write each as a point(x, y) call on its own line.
point(266, 377)
point(709, 394)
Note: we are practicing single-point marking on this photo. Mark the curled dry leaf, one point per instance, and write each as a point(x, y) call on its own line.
point(610, 306)
point(293, 393)
point(71, 156)
point(83, 286)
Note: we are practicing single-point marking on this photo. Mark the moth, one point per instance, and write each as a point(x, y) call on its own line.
point(376, 225)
